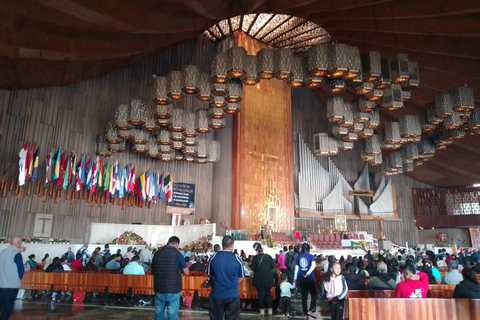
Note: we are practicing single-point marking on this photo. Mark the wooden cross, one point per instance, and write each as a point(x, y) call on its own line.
point(43, 223)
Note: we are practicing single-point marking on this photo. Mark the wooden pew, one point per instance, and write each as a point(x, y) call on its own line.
point(395, 309)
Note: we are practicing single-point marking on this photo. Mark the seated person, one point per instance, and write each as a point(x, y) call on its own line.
point(414, 286)
point(77, 263)
point(382, 281)
point(452, 276)
point(63, 262)
point(436, 273)
point(91, 266)
point(354, 280)
point(440, 262)
point(469, 288)
point(187, 261)
point(198, 265)
point(55, 266)
point(114, 263)
point(476, 265)
point(133, 268)
point(427, 269)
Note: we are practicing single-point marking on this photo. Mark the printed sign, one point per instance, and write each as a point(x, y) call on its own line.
point(183, 199)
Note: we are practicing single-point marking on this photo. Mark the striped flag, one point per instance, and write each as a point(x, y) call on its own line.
point(56, 164)
point(29, 164)
point(160, 187)
point(48, 167)
point(168, 188)
point(61, 172)
point(22, 164)
point(106, 176)
point(35, 165)
point(67, 173)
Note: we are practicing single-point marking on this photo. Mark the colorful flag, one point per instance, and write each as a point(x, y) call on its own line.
point(29, 164)
point(22, 163)
point(61, 173)
point(35, 165)
point(48, 167)
point(168, 188)
point(131, 186)
point(88, 170)
point(56, 165)
point(67, 173)
point(94, 176)
point(142, 187)
point(100, 174)
point(106, 176)
point(160, 187)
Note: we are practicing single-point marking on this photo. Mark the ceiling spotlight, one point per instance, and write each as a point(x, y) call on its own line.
point(476, 185)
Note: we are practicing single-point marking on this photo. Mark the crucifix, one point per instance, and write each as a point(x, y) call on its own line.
point(379, 227)
point(43, 223)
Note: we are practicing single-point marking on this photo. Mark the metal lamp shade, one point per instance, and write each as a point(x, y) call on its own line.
point(179, 156)
point(177, 120)
point(473, 122)
point(167, 157)
point(122, 113)
point(443, 105)
point(203, 87)
point(344, 145)
point(215, 112)
point(164, 123)
point(462, 99)
point(217, 123)
point(152, 149)
point(313, 82)
point(426, 148)
point(218, 89)
point(283, 64)
point(350, 137)
point(165, 149)
point(251, 72)
point(190, 141)
point(336, 85)
point(218, 102)
point(392, 133)
point(117, 147)
point(177, 146)
point(321, 144)
point(399, 69)
point(125, 134)
point(354, 63)
point(111, 134)
point(189, 150)
point(102, 147)
point(371, 66)
point(338, 60)
point(413, 76)
point(366, 133)
point(160, 91)
point(236, 62)
point(392, 98)
point(140, 136)
point(335, 106)
point(265, 58)
point(150, 124)
point(347, 112)
point(189, 158)
point(410, 126)
point(234, 92)
point(339, 131)
point(163, 137)
point(174, 85)
point(176, 136)
point(219, 68)
point(298, 72)
point(318, 60)
point(232, 108)
point(163, 111)
point(214, 152)
point(424, 125)
point(364, 105)
point(138, 113)
point(189, 122)
point(202, 148)
point(201, 121)
point(373, 120)
point(453, 122)
point(385, 79)
point(190, 77)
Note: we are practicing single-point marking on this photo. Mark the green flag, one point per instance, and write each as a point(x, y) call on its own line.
point(106, 176)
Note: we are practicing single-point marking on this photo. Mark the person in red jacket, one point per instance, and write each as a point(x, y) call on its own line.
point(77, 264)
point(414, 286)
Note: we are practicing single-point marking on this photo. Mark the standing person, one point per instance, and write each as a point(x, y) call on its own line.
point(335, 290)
point(281, 260)
point(106, 255)
point(306, 280)
point(70, 255)
point(167, 267)
point(85, 255)
point(262, 266)
point(290, 263)
point(11, 274)
point(286, 295)
point(226, 272)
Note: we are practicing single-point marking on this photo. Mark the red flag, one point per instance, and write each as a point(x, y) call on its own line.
point(29, 163)
point(63, 166)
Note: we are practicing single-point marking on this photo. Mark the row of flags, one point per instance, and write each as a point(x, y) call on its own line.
point(69, 170)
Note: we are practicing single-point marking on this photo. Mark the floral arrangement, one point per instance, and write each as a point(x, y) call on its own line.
point(29, 239)
point(3, 239)
point(364, 245)
point(269, 242)
point(59, 241)
point(129, 237)
point(198, 245)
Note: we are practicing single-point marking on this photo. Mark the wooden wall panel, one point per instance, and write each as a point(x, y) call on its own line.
point(71, 117)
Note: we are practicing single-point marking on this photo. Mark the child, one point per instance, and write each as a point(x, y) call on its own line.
point(335, 289)
point(286, 295)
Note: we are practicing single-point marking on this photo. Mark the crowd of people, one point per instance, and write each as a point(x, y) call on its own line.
point(408, 272)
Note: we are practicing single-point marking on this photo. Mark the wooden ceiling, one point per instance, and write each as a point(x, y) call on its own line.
point(51, 42)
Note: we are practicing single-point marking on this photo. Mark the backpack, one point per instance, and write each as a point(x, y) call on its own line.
point(290, 261)
point(107, 256)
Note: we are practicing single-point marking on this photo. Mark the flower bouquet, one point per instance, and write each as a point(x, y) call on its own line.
point(198, 245)
point(129, 237)
point(58, 241)
point(269, 242)
point(29, 239)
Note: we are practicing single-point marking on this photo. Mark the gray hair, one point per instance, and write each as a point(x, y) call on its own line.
point(453, 264)
point(382, 267)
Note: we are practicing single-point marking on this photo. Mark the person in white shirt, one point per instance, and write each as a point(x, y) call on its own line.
point(286, 295)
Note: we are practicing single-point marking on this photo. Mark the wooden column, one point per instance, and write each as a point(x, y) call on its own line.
point(262, 164)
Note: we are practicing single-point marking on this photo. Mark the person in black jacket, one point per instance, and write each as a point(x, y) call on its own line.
point(469, 288)
point(262, 266)
point(168, 264)
point(55, 266)
point(354, 280)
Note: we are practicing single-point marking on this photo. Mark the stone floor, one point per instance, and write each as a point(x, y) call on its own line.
point(42, 308)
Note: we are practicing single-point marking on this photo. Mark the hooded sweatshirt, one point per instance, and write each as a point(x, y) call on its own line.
point(355, 281)
point(467, 290)
point(413, 288)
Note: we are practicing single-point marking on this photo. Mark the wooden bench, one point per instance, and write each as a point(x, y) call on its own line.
point(412, 309)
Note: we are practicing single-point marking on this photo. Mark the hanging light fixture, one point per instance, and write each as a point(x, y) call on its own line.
point(413, 76)
point(364, 105)
point(432, 117)
point(375, 95)
point(160, 91)
point(443, 105)
point(234, 92)
point(350, 137)
point(232, 108)
point(392, 98)
point(218, 102)
point(236, 62)
point(138, 113)
point(189, 150)
point(214, 152)
point(440, 140)
point(163, 111)
point(360, 117)
point(219, 68)
point(455, 134)
point(365, 88)
point(177, 120)
point(202, 148)
point(399, 68)
point(282, 64)
point(164, 149)
point(377, 160)
point(203, 87)
point(174, 85)
point(265, 63)
point(116, 147)
point(365, 157)
point(408, 167)
point(354, 63)
point(164, 122)
point(356, 128)
point(139, 148)
point(190, 77)
point(152, 149)
point(373, 120)
point(339, 131)
point(163, 137)
point(347, 119)
point(216, 112)
point(150, 124)
point(366, 133)
point(426, 148)
point(385, 79)
point(298, 72)
point(251, 77)
point(190, 141)
point(189, 158)
point(102, 147)
point(371, 66)
point(412, 151)
point(201, 121)
point(318, 60)
point(111, 134)
point(345, 145)
point(217, 123)
point(122, 113)
point(321, 144)
point(177, 145)
point(392, 133)
point(473, 122)
point(189, 122)
point(167, 157)
point(424, 125)
point(372, 146)
point(313, 82)
point(179, 156)
point(336, 85)
point(396, 160)
point(140, 136)
point(335, 109)
point(125, 134)
point(218, 89)
point(462, 99)
point(337, 60)
point(410, 126)
point(176, 136)
point(453, 122)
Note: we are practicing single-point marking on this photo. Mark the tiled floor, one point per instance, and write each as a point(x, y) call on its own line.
point(40, 308)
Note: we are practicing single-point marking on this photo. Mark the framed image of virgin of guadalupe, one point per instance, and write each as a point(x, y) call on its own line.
point(341, 222)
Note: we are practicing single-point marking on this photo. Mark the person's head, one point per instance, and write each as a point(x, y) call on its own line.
point(16, 242)
point(305, 247)
point(408, 271)
point(98, 249)
point(440, 258)
point(126, 261)
point(187, 259)
point(334, 270)
point(285, 248)
point(107, 246)
point(382, 267)
point(85, 245)
point(78, 256)
point(69, 249)
point(63, 260)
point(135, 259)
point(129, 249)
point(290, 248)
point(284, 277)
point(119, 251)
point(217, 248)
point(46, 256)
point(259, 249)
point(116, 257)
point(31, 257)
point(227, 243)
point(56, 260)
point(452, 264)
point(350, 268)
point(173, 241)
point(255, 245)
point(360, 264)
point(469, 274)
